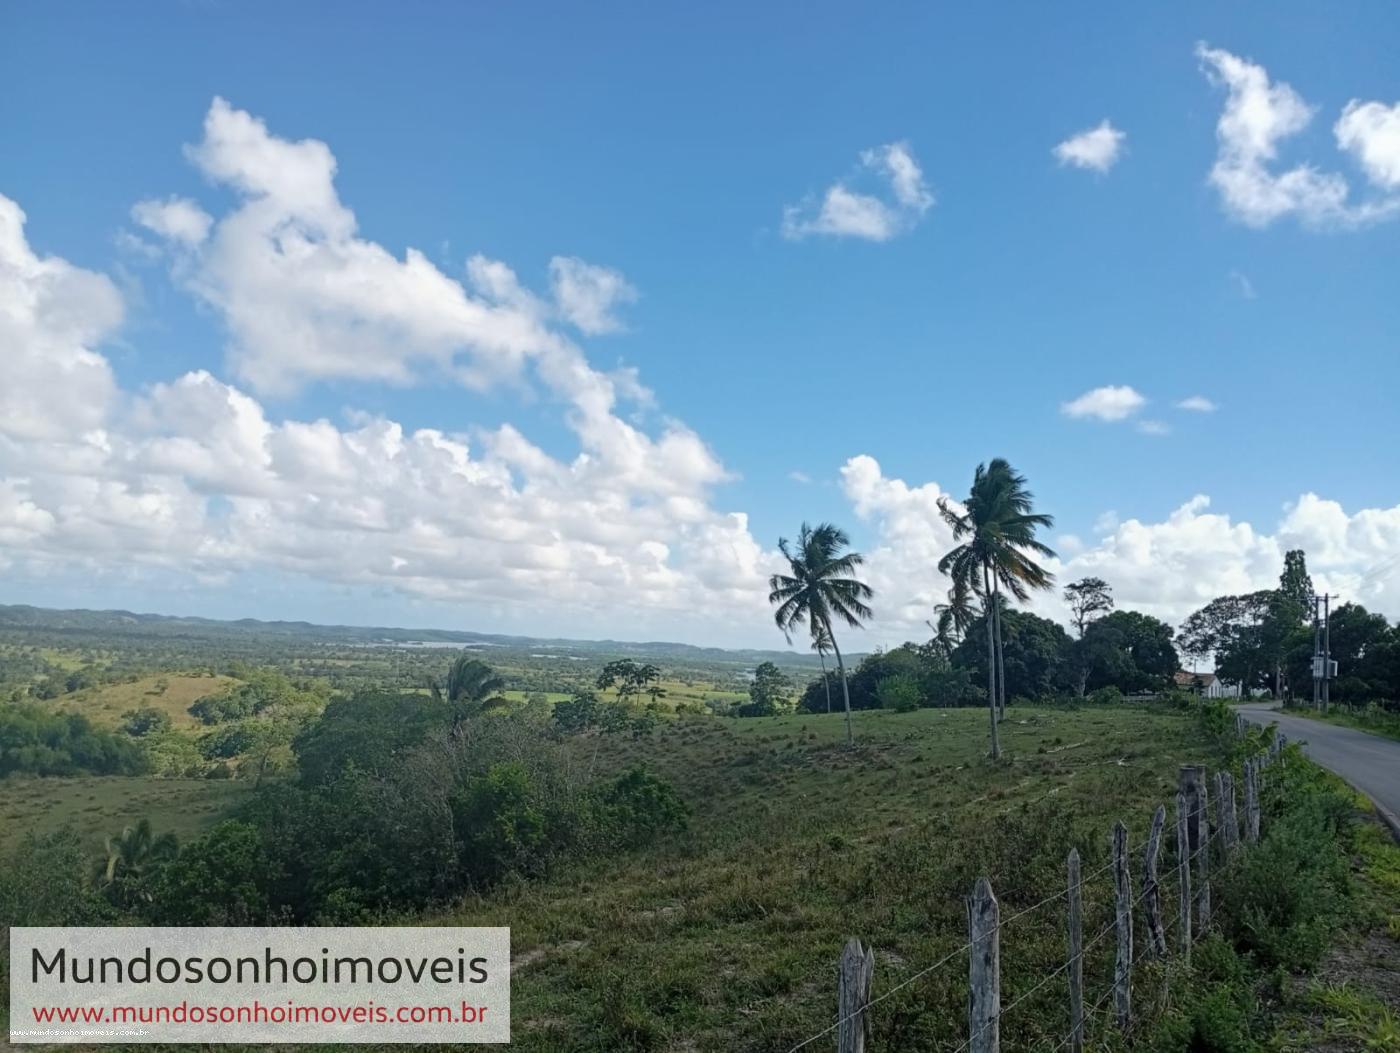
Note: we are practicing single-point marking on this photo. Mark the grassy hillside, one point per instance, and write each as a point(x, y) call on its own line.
point(727, 938)
point(98, 805)
point(171, 693)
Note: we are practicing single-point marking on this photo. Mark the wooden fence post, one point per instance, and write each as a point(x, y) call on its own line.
point(984, 971)
point(1191, 782)
point(1201, 846)
point(1251, 802)
point(1183, 873)
point(853, 978)
point(1076, 955)
point(1151, 890)
point(1225, 820)
point(1123, 917)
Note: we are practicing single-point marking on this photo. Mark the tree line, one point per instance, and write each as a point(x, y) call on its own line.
point(983, 649)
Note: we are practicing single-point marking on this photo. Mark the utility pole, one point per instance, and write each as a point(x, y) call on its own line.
point(1317, 654)
point(1326, 651)
point(1324, 669)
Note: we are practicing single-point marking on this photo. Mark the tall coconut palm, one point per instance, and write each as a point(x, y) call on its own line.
point(999, 526)
point(472, 686)
point(821, 643)
point(821, 588)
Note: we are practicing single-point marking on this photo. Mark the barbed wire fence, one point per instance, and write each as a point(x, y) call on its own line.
point(1203, 836)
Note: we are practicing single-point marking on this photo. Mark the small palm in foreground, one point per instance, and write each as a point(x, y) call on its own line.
point(472, 687)
point(128, 858)
point(821, 588)
point(999, 527)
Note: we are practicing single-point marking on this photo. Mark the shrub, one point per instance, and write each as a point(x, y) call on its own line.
point(145, 721)
point(638, 806)
point(37, 741)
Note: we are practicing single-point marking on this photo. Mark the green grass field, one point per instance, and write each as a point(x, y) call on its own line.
point(727, 937)
point(98, 805)
point(172, 693)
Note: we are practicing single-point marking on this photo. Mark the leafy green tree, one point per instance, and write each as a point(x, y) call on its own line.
point(1127, 650)
point(1088, 598)
point(220, 879)
point(900, 693)
point(1295, 583)
point(1036, 654)
point(371, 731)
point(631, 679)
point(147, 720)
point(821, 586)
point(44, 881)
point(998, 529)
point(768, 693)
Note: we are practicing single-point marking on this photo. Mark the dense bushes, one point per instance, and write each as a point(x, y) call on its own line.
point(392, 811)
point(37, 741)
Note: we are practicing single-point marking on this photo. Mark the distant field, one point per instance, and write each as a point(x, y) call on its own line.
point(98, 805)
point(105, 705)
point(728, 936)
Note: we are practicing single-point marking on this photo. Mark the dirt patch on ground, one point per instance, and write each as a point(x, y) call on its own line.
point(1370, 963)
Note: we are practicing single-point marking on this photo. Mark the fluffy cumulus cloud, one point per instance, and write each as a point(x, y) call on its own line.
point(176, 218)
point(1097, 148)
point(1370, 132)
point(845, 212)
point(587, 293)
point(194, 477)
point(1113, 402)
point(53, 386)
point(1259, 116)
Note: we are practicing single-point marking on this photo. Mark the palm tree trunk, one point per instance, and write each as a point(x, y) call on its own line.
point(991, 661)
point(845, 691)
point(1001, 652)
point(826, 683)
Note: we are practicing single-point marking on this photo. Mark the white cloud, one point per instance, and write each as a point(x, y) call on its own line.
point(53, 386)
point(193, 478)
point(1197, 404)
point(1113, 402)
point(1370, 132)
point(799, 477)
point(1259, 115)
point(1153, 427)
point(844, 212)
point(1096, 148)
point(1106, 522)
point(586, 293)
point(177, 218)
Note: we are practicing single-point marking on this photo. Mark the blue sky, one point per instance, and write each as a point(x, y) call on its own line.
point(665, 143)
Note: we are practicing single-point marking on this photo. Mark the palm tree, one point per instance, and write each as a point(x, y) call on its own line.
point(129, 857)
point(999, 527)
point(821, 643)
point(821, 586)
point(472, 686)
point(953, 619)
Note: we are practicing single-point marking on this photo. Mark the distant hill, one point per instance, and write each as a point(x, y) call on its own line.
point(171, 627)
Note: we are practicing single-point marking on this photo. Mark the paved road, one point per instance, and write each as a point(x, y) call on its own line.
point(1368, 762)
